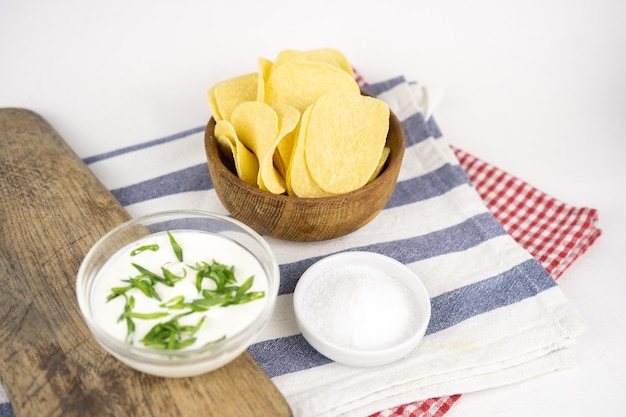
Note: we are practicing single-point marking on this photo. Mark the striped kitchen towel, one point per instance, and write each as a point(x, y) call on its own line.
point(498, 316)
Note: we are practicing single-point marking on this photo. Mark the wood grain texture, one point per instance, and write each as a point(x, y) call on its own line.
point(52, 211)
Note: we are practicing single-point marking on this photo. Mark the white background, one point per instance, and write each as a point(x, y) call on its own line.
point(537, 88)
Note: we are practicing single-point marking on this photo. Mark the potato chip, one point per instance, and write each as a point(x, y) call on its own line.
point(381, 164)
point(299, 181)
point(246, 163)
point(257, 127)
point(301, 83)
point(225, 135)
point(328, 55)
point(272, 169)
point(290, 118)
point(345, 137)
point(225, 96)
point(265, 67)
point(283, 152)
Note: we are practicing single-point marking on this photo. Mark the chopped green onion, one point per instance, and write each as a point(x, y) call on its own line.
point(170, 334)
point(153, 247)
point(178, 251)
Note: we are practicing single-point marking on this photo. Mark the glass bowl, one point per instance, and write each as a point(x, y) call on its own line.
point(204, 234)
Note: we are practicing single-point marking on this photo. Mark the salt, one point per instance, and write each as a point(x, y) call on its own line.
point(361, 308)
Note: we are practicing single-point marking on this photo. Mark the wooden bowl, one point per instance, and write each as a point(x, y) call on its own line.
point(304, 219)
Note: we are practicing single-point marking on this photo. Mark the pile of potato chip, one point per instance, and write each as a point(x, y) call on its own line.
point(300, 126)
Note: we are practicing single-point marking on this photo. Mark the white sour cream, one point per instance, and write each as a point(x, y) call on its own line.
point(197, 246)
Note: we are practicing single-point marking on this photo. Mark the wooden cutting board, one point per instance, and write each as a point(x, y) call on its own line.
point(52, 210)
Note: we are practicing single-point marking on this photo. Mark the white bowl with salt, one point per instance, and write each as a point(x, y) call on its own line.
point(361, 308)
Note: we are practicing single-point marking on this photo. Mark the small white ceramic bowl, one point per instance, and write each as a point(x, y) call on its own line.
point(361, 308)
point(194, 360)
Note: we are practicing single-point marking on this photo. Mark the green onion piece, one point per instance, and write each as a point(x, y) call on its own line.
point(141, 282)
point(209, 300)
point(176, 303)
point(148, 316)
point(171, 334)
point(152, 276)
point(130, 324)
point(128, 315)
point(178, 251)
point(153, 247)
point(117, 291)
point(145, 286)
point(171, 277)
point(220, 274)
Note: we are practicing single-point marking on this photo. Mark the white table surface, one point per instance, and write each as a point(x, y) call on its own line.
point(537, 88)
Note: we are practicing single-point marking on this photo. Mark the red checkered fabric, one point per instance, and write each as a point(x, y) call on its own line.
point(555, 233)
point(434, 407)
